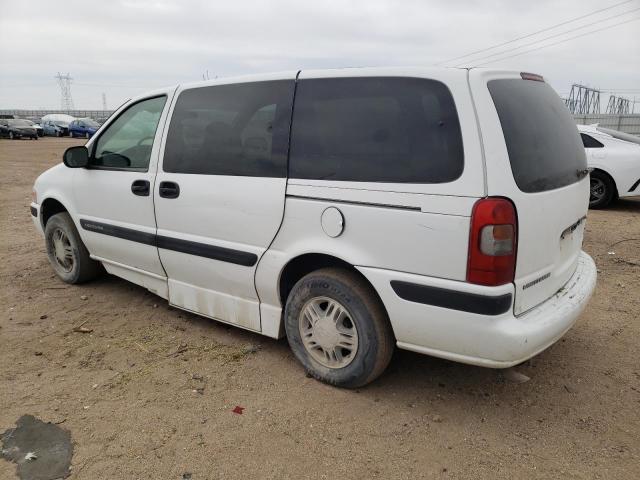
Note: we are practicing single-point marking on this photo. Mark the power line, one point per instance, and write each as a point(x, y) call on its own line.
point(535, 33)
point(553, 36)
point(620, 90)
point(556, 43)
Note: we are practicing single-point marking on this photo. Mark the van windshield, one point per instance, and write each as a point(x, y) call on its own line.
point(542, 139)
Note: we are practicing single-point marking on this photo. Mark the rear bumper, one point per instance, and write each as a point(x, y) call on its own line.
point(495, 341)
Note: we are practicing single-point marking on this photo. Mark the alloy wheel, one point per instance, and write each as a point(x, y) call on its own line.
point(598, 190)
point(62, 251)
point(328, 332)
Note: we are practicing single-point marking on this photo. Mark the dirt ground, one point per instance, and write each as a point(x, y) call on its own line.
point(149, 393)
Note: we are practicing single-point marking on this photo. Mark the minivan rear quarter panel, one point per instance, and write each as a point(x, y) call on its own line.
point(419, 228)
point(546, 257)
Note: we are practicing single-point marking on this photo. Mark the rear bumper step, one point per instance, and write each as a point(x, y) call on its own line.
point(498, 341)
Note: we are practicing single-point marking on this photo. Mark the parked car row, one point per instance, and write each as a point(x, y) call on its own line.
point(55, 125)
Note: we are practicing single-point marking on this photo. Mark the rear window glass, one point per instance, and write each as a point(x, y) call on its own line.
point(542, 139)
point(375, 129)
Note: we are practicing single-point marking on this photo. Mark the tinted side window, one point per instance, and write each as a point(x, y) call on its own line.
point(239, 129)
point(589, 142)
point(127, 142)
point(375, 129)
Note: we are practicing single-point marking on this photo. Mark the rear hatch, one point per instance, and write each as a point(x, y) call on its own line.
point(534, 157)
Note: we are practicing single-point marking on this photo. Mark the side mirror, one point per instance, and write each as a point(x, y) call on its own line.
point(76, 157)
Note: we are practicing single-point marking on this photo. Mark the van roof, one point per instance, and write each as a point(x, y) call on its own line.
point(330, 72)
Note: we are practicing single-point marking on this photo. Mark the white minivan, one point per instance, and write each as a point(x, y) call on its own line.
point(439, 210)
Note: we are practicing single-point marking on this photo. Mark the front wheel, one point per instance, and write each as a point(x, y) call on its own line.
point(602, 190)
point(338, 328)
point(67, 254)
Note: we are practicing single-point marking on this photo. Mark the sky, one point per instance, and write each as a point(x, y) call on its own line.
point(124, 47)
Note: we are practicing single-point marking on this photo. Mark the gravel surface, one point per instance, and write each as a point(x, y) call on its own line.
point(150, 392)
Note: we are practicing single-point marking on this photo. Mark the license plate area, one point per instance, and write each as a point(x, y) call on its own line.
point(571, 241)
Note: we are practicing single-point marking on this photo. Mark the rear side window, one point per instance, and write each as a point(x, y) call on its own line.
point(239, 129)
point(589, 142)
point(544, 147)
point(375, 129)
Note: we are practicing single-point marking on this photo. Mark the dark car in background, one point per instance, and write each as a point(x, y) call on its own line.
point(39, 129)
point(83, 127)
point(17, 128)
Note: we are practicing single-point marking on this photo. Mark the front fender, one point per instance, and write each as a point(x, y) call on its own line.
point(57, 184)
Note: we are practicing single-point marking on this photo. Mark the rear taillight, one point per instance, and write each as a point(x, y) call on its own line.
point(493, 242)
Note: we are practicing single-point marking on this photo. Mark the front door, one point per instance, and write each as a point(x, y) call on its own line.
point(113, 195)
point(219, 194)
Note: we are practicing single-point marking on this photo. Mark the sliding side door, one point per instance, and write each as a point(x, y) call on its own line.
point(219, 195)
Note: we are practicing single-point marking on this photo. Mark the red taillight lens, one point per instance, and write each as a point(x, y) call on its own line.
point(492, 242)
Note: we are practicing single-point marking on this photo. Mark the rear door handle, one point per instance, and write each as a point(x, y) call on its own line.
point(169, 190)
point(140, 188)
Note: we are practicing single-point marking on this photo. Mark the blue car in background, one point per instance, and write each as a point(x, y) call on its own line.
point(83, 127)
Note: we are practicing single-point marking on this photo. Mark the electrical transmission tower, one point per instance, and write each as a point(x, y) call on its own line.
point(64, 81)
point(104, 101)
point(583, 100)
point(618, 105)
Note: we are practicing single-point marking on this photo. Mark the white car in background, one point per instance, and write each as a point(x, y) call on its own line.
point(615, 159)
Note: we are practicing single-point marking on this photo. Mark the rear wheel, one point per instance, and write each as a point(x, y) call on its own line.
point(602, 190)
point(338, 329)
point(67, 254)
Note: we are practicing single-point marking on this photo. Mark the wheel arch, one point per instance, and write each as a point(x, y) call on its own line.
point(49, 207)
point(613, 180)
point(303, 264)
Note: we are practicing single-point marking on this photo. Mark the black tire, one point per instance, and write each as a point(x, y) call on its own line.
point(58, 133)
point(375, 340)
point(602, 190)
point(82, 268)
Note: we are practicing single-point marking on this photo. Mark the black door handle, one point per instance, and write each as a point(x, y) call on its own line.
point(169, 190)
point(140, 187)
